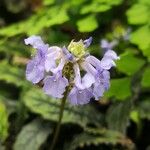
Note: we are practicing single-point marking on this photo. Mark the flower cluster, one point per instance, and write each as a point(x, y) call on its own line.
point(70, 67)
point(106, 45)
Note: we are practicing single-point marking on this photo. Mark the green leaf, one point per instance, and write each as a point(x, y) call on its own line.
point(124, 64)
point(43, 19)
point(134, 116)
point(36, 100)
point(94, 7)
point(141, 38)
point(97, 137)
point(48, 2)
point(12, 74)
point(138, 14)
point(120, 88)
point(13, 47)
point(10, 104)
point(13, 29)
point(75, 3)
point(47, 18)
point(87, 24)
point(116, 2)
point(3, 122)
point(109, 2)
point(146, 78)
point(99, 6)
point(118, 116)
point(32, 136)
point(147, 2)
point(144, 110)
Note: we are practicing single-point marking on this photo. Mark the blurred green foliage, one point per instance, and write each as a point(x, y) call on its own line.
point(120, 120)
point(4, 121)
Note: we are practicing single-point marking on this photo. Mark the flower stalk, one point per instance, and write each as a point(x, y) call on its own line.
point(63, 101)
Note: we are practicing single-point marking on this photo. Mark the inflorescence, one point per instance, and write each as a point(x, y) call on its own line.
point(70, 67)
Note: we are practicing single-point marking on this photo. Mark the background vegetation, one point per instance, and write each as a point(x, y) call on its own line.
point(120, 120)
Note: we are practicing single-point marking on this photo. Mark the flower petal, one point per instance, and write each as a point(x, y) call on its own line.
point(67, 54)
point(53, 54)
point(88, 68)
point(88, 80)
point(82, 83)
point(88, 42)
point(55, 85)
point(108, 45)
point(111, 54)
point(98, 90)
point(102, 84)
point(35, 41)
point(105, 44)
point(94, 61)
point(34, 71)
point(59, 67)
point(80, 97)
point(108, 60)
point(77, 79)
point(107, 63)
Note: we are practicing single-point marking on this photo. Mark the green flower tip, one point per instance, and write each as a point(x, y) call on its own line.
point(77, 48)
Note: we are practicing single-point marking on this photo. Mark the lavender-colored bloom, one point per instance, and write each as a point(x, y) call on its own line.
point(35, 68)
point(105, 44)
point(35, 41)
point(34, 71)
point(101, 85)
point(108, 60)
point(80, 97)
point(108, 45)
point(101, 76)
point(99, 69)
point(49, 65)
point(55, 85)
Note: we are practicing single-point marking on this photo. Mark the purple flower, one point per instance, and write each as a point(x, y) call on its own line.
point(105, 45)
point(108, 60)
point(35, 41)
point(99, 70)
point(101, 85)
point(55, 85)
point(91, 76)
point(36, 67)
point(34, 71)
point(80, 97)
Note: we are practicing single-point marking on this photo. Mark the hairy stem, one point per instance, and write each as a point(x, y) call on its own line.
point(59, 121)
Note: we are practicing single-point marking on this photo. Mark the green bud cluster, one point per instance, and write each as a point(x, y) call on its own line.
point(77, 48)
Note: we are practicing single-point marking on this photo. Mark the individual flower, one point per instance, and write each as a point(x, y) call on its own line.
point(35, 68)
point(70, 67)
point(106, 45)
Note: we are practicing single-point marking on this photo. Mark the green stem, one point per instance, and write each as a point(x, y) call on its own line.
point(59, 121)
